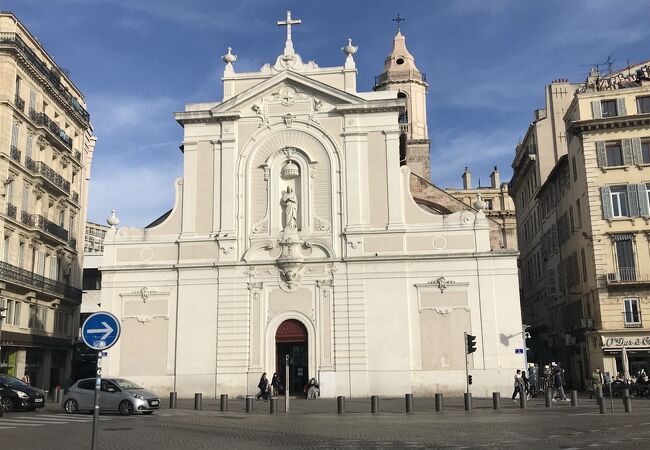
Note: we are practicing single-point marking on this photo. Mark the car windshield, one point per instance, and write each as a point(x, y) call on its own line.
point(126, 384)
point(11, 382)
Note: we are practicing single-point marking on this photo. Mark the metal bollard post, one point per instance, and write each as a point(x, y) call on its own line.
point(198, 401)
point(409, 403)
point(172, 400)
point(340, 404)
point(601, 406)
point(548, 397)
point(627, 404)
point(626, 393)
point(223, 407)
point(272, 406)
point(374, 404)
point(468, 401)
point(439, 404)
point(522, 400)
point(496, 400)
point(249, 404)
point(574, 398)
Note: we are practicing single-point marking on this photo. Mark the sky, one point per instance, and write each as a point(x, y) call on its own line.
point(487, 62)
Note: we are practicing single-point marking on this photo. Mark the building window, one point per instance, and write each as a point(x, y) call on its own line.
point(575, 170)
point(609, 108)
point(488, 204)
point(584, 264)
point(21, 255)
point(645, 150)
point(625, 257)
point(5, 249)
point(618, 196)
point(614, 153)
point(643, 105)
point(578, 214)
point(632, 314)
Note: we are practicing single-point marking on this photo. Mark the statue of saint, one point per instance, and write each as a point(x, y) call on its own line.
point(290, 203)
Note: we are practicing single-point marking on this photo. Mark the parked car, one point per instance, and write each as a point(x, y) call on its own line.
point(116, 394)
point(14, 394)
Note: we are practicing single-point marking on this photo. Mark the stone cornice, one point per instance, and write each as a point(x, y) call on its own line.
point(373, 106)
point(207, 116)
point(609, 123)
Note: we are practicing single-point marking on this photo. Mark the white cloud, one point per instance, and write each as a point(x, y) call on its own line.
point(115, 115)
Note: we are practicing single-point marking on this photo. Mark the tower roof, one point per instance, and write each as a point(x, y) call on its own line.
point(399, 58)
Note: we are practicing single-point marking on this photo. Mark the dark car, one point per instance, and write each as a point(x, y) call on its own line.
point(14, 394)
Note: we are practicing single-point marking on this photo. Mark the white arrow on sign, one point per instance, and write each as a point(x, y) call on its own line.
point(107, 330)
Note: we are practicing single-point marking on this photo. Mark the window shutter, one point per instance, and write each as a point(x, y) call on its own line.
point(600, 154)
point(605, 194)
point(637, 156)
point(620, 107)
point(644, 202)
point(626, 145)
point(28, 145)
point(32, 99)
point(633, 199)
point(597, 109)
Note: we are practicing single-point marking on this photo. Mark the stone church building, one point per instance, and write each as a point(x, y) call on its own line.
point(294, 232)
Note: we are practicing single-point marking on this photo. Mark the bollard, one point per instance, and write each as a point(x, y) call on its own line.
point(340, 405)
point(626, 393)
point(601, 406)
point(548, 397)
point(627, 404)
point(439, 405)
point(249, 404)
point(198, 401)
point(374, 404)
point(574, 398)
point(409, 403)
point(172, 400)
point(468, 401)
point(522, 400)
point(496, 400)
point(272, 404)
point(224, 403)
point(57, 395)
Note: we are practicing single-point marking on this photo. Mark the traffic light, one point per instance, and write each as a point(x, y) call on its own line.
point(471, 343)
point(469, 379)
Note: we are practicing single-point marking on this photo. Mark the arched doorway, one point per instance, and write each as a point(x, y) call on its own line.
point(291, 339)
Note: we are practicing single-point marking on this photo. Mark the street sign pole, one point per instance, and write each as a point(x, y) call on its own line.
point(98, 382)
point(466, 364)
point(286, 383)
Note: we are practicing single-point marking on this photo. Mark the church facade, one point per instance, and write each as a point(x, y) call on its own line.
point(294, 233)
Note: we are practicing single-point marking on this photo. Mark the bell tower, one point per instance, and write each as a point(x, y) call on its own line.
point(401, 74)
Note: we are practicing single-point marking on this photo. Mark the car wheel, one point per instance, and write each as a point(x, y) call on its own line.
point(7, 404)
point(126, 408)
point(70, 406)
point(147, 413)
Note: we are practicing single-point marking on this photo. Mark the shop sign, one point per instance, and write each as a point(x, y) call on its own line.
point(626, 341)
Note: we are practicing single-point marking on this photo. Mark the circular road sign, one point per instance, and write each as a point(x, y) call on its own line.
point(101, 331)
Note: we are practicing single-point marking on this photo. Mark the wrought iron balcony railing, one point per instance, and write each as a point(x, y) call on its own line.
point(52, 76)
point(32, 280)
point(26, 218)
point(14, 153)
point(40, 222)
point(401, 75)
point(632, 319)
point(628, 275)
point(48, 173)
point(43, 119)
point(20, 103)
point(11, 210)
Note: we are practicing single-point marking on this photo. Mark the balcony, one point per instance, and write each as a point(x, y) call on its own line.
point(77, 156)
point(32, 280)
point(401, 75)
point(40, 222)
point(51, 76)
point(20, 103)
point(40, 168)
point(632, 319)
point(404, 128)
point(43, 119)
point(11, 211)
point(26, 218)
point(15, 153)
point(627, 276)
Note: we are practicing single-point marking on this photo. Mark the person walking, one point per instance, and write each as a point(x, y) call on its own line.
point(558, 388)
point(313, 389)
point(526, 381)
point(264, 388)
point(519, 386)
point(276, 384)
point(596, 383)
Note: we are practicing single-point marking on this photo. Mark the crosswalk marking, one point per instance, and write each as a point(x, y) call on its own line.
point(6, 428)
point(39, 420)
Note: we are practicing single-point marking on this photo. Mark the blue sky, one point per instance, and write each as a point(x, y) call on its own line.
point(487, 61)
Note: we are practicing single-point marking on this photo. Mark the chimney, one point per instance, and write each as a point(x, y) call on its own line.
point(495, 179)
point(467, 179)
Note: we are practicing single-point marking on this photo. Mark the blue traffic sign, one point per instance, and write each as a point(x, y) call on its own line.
point(519, 350)
point(100, 331)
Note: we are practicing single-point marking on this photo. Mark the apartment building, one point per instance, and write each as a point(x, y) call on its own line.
point(46, 148)
point(580, 184)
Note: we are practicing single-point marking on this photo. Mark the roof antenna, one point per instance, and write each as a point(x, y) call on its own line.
point(398, 19)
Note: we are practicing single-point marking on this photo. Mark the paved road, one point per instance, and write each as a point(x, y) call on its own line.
point(313, 424)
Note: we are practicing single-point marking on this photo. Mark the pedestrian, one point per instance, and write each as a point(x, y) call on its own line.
point(276, 384)
point(263, 385)
point(519, 386)
point(596, 383)
point(526, 381)
point(26, 379)
point(313, 389)
point(558, 386)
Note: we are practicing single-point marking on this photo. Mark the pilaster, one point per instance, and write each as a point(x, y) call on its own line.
point(395, 193)
point(188, 227)
point(356, 180)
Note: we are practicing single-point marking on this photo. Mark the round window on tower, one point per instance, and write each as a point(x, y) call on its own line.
point(399, 60)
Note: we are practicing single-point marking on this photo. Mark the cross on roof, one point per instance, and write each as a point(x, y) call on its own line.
point(397, 19)
point(288, 46)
